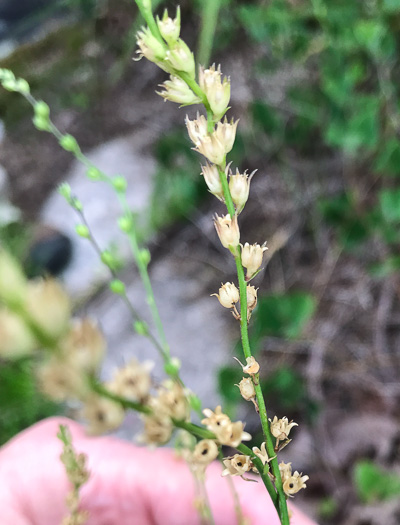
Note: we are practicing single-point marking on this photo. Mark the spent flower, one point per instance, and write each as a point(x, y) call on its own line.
point(237, 465)
point(280, 428)
point(170, 28)
point(133, 381)
point(228, 295)
point(149, 46)
point(252, 257)
point(176, 90)
point(227, 230)
point(217, 91)
point(102, 414)
point(180, 58)
point(211, 176)
point(239, 186)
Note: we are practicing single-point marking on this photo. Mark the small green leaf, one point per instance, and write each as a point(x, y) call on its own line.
point(228, 377)
point(283, 315)
point(373, 483)
point(389, 200)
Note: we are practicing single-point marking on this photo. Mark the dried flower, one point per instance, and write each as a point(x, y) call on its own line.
point(237, 465)
point(171, 400)
point(133, 381)
point(204, 452)
point(246, 388)
point(102, 414)
point(280, 428)
point(252, 367)
point(61, 379)
point(181, 58)
point(84, 345)
point(292, 483)
point(214, 420)
point(16, 339)
point(262, 454)
point(225, 133)
point(149, 46)
point(211, 176)
point(227, 230)
point(217, 92)
point(252, 256)
point(176, 90)
point(239, 186)
point(12, 280)
point(48, 306)
point(170, 28)
point(251, 294)
point(228, 295)
point(157, 429)
point(212, 148)
point(197, 128)
point(232, 434)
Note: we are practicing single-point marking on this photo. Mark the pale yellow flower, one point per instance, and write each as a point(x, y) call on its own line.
point(60, 379)
point(84, 344)
point(16, 340)
point(102, 414)
point(227, 230)
point(214, 420)
point(232, 434)
point(133, 381)
point(237, 465)
point(157, 430)
point(262, 454)
point(171, 400)
point(216, 89)
point(246, 388)
point(204, 452)
point(228, 295)
point(252, 257)
point(280, 428)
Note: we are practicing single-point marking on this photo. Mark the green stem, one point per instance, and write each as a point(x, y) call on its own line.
point(209, 19)
point(150, 21)
point(282, 507)
point(144, 275)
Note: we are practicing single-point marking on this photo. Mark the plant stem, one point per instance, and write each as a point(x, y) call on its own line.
point(209, 19)
point(148, 16)
point(282, 507)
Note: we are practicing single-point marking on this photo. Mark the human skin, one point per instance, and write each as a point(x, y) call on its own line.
point(128, 485)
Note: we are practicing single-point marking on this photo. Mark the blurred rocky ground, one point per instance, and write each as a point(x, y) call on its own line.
point(346, 356)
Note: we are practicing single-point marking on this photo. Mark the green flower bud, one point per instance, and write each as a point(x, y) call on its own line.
point(93, 173)
point(195, 403)
point(42, 110)
point(117, 287)
point(76, 204)
point(22, 86)
point(108, 259)
point(145, 256)
point(40, 123)
point(172, 367)
point(65, 190)
point(69, 143)
point(119, 184)
point(141, 328)
point(83, 231)
point(125, 223)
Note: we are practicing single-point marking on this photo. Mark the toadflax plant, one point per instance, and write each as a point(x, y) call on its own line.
point(35, 316)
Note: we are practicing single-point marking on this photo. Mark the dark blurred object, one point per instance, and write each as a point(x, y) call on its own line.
point(12, 11)
point(50, 253)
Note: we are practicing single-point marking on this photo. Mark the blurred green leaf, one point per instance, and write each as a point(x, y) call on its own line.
point(228, 377)
point(389, 200)
point(387, 267)
point(283, 315)
point(266, 117)
point(388, 159)
point(391, 6)
point(373, 483)
point(286, 385)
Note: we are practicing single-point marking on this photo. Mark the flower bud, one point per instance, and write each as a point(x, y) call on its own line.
point(226, 133)
point(228, 295)
point(218, 93)
point(117, 287)
point(12, 280)
point(246, 388)
point(48, 306)
point(227, 230)
point(16, 339)
point(119, 183)
point(239, 186)
point(252, 256)
point(69, 143)
point(212, 148)
point(197, 128)
point(251, 294)
point(181, 58)
point(176, 90)
point(170, 28)
point(83, 231)
point(211, 176)
point(149, 46)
